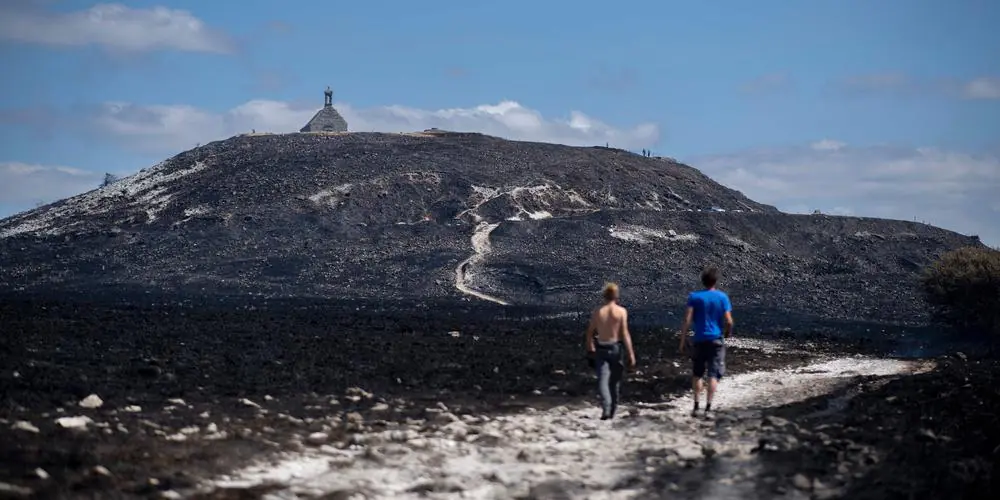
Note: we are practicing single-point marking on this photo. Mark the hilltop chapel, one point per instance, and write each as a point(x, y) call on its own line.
point(326, 119)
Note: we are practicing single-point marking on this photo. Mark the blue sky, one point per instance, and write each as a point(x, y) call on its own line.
point(888, 108)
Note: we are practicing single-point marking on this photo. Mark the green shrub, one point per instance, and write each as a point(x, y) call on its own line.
point(963, 289)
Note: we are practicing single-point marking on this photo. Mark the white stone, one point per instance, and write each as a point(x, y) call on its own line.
point(80, 422)
point(25, 426)
point(92, 401)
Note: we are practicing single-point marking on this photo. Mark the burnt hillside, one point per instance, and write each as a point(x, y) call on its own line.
point(456, 216)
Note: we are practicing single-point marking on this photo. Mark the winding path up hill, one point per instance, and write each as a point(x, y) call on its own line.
point(457, 216)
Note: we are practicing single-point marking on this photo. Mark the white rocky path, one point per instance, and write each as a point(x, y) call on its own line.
point(564, 452)
point(480, 247)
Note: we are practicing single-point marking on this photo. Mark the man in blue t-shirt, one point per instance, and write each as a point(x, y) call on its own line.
point(710, 313)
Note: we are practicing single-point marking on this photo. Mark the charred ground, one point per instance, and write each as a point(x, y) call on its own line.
point(393, 216)
point(215, 386)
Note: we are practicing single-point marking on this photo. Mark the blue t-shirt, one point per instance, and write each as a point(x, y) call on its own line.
point(710, 308)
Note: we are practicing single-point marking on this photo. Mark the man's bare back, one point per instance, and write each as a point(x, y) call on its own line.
point(609, 321)
point(610, 324)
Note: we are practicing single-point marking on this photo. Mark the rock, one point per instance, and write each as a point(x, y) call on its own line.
point(456, 429)
point(8, 490)
point(926, 435)
point(828, 493)
point(497, 477)
point(247, 402)
point(26, 426)
point(91, 402)
point(455, 333)
point(446, 417)
point(374, 455)
point(379, 407)
point(177, 401)
point(403, 435)
point(359, 393)
point(170, 495)
point(317, 438)
point(80, 422)
point(132, 409)
point(961, 355)
point(41, 473)
point(354, 418)
point(802, 482)
point(437, 486)
point(688, 452)
point(774, 421)
point(101, 470)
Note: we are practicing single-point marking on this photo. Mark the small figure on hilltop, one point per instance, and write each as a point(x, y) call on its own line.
point(711, 313)
point(610, 323)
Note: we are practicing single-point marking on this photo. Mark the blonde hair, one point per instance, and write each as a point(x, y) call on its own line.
point(610, 291)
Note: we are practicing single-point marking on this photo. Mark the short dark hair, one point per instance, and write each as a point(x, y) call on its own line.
point(709, 277)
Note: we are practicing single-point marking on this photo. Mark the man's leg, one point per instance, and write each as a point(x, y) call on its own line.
point(716, 369)
point(697, 372)
point(696, 387)
point(617, 372)
point(603, 382)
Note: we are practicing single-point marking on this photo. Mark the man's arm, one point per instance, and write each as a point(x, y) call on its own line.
point(627, 337)
point(728, 327)
point(688, 318)
point(589, 341)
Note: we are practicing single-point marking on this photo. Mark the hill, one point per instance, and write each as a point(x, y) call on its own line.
point(446, 216)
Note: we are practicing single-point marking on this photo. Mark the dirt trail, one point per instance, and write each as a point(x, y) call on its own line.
point(481, 247)
point(564, 452)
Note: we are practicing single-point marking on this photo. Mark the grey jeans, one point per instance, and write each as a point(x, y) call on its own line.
point(610, 368)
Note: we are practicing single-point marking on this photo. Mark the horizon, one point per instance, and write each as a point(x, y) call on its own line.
point(842, 107)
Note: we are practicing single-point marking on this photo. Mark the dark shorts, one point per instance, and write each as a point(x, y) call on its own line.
point(709, 356)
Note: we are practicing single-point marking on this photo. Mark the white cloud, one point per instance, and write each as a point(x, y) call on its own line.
point(827, 145)
point(982, 88)
point(25, 184)
point(170, 128)
point(112, 26)
point(945, 188)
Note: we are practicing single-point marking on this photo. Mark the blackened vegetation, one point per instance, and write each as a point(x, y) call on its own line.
point(926, 436)
point(289, 357)
point(932, 435)
point(390, 216)
point(963, 288)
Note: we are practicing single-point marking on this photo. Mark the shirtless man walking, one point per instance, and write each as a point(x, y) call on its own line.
point(610, 323)
point(711, 314)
